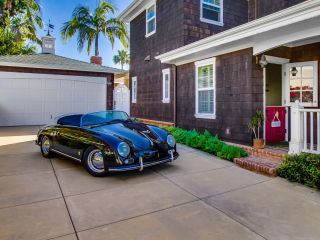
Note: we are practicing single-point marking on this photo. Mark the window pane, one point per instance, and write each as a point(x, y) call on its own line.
point(307, 96)
point(151, 12)
point(206, 101)
point(134, 90)
point(294, 96)
point(295, 72)
point(166, 86)
point(151, 25)
point(211, 13)
point(216, 2)
point(307, 84)
point(205, 76)
point(295, 84)
point(307, 72)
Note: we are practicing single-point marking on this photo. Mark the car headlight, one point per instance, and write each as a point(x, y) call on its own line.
point(123, 149)
point(171, 141)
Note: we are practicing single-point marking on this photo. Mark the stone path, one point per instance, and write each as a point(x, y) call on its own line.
point(197, 197)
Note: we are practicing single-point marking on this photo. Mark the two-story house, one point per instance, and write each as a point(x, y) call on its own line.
point(197, 63)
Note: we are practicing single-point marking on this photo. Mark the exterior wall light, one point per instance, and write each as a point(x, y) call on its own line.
point(109, 83)
point(263, 61)
point(294, 71)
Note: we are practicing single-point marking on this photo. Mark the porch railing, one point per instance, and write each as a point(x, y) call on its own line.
point(301, 141)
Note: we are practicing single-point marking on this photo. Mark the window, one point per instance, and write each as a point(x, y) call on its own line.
point(151, 20)
point(302, 79)
point(134, 89)
point(206, 89)
point(212, 11)
point(166, 85)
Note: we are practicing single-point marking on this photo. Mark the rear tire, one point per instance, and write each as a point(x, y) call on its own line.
point(93, 162)
point(45, 147)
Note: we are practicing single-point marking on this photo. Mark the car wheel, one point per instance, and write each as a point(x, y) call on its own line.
point(45, 147)
point(93, 162)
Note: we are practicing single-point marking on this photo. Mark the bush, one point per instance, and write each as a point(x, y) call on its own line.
point(304, 169)
point(206, 143)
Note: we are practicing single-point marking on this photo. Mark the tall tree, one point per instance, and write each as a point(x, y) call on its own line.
point(123, 58)
point(90, 26)
point(9, 45)
point(21, 16)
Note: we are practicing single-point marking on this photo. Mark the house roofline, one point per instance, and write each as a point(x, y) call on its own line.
point(133, 10)
point(297, 13)
point(24, 65)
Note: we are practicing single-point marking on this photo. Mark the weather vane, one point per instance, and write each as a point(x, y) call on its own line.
point(50, 26)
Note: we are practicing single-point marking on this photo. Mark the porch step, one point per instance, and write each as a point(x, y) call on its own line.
point(270, 153)
point(258, 165)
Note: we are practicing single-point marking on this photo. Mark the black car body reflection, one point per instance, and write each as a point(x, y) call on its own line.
point(107, 142)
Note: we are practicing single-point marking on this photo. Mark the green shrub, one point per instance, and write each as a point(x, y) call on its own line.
point(304, 169)
point(206, 143)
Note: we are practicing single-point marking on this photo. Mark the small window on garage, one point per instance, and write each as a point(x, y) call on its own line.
point(206, 89)
point(151, 20)
point(166, 85)
point(212, 11)
point(134, 89)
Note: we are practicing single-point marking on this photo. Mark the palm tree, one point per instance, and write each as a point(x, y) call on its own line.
point(123, 58)
point(90, 25)
point(24, 28)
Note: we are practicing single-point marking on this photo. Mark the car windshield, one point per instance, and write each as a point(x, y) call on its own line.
point(102, 118)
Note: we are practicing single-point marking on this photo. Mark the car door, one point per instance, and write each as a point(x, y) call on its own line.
point(65, 140)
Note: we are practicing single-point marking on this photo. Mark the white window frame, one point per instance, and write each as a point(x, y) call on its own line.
point(286, 84)
point(202, 19)
point(164, 73)
point(210, 61)
point(134, 96)
point(154, 17)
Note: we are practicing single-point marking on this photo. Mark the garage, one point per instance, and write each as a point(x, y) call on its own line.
point(32, 99)
point(34, 89)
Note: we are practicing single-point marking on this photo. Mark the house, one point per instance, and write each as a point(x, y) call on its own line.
point(195, 63)
point(34, 89)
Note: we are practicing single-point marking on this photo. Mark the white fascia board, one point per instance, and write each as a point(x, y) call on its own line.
point(297, 13)
point(133, 10)
point(12, 64)
point(18, 75)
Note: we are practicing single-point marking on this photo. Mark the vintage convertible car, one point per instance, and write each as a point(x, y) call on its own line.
point(107, 141)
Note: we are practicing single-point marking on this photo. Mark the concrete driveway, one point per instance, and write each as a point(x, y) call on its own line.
point(196, 197)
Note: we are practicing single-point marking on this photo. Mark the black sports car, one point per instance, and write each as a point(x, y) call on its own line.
point(107, 142)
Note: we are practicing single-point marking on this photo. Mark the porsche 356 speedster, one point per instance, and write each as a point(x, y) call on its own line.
point(108, 141)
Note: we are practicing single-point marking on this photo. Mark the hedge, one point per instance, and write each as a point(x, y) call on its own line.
point(304, 169)
point(206, 143)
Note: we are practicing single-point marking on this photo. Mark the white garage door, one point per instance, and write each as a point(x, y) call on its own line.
point(32, 99)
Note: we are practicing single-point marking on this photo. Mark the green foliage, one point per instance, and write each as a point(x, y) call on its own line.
point(304, 169)
point(123, 58)
point(206, 143)
point(255, 124)
point(8, 44)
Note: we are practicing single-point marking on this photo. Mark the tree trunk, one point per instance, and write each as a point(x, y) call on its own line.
point(97, 45)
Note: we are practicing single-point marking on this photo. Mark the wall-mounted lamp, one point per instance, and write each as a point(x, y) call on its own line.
point(263, 61)
point(294, 71)
point(109, 83)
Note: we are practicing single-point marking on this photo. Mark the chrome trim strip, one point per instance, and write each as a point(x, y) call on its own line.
point(65, 155)
point(141, 163)
point(148, 164)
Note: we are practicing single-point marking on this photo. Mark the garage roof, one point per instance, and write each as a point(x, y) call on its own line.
point(51, 61)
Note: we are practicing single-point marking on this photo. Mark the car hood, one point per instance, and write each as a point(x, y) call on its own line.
point(138, 134)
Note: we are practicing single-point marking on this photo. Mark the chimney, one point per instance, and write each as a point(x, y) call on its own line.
point(48, 45)
point(96, 60)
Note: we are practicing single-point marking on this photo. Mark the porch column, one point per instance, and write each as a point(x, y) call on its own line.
point(296, 143)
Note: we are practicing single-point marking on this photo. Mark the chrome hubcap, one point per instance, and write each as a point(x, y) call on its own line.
point(45, 145)
point(95, 161)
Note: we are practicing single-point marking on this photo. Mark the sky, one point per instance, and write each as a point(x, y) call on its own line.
point(59, 11)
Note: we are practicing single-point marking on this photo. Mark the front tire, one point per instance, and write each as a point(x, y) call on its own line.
point(45, 147)
point(93, 162)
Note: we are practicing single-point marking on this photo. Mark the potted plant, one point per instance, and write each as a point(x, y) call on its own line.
point(254, 125)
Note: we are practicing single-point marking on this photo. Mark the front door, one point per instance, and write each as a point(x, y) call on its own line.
point(275, 124)
point(121, 95)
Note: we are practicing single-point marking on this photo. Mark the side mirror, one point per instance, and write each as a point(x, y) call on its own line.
point(135, 120)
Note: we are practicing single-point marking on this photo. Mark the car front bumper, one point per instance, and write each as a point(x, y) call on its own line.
point(143, 165)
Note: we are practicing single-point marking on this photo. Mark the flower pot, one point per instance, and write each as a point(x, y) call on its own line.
point(258, 143)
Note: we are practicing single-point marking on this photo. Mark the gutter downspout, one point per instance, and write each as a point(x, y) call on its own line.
point(255, 10)
point(174, 95)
